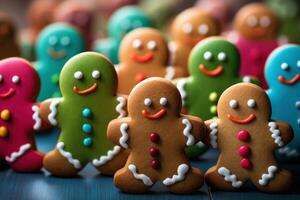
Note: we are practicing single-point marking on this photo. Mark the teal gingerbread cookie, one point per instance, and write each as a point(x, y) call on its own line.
point(213, 66)
point(56, 44)
point(121, 22)
point(88, 83)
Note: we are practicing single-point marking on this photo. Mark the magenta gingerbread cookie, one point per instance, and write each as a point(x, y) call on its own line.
point(19, 115)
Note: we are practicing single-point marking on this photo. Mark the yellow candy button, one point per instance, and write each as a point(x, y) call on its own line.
point(213, 109)
point(5, 115)
point(213, 97)
point(3, 132)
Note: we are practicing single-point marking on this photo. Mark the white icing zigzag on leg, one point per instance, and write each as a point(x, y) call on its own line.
point(180, 176)
point(120, 107)
point(36, 117)
point(213, 134)
point(230, 177)
point(15, 155)
point(53, 113)
point(106, 158)
point(275, 134)
point(265, 178)
point(76, 163)
point(187, 132)
point(180, 86)
point(123, 139)
point(146, 180)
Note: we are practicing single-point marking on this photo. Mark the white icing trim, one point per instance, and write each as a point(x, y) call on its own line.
point(123, 139)
point(146, 180)
point(53, 112)
point(172, 49)
point(180, 176)
point(289, 152)
point(276, 134)
point(187, 132)
point(180, 86)
point(228, 177)
point(106, 158)
point(15, 155)
point(36, 117)
point(265, 178)
point(213, 134)
point(120, 107)
point(170, 73)
point(76, 163)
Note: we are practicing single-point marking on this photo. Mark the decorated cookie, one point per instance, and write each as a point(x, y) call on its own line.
point(256, 37)
point(19, 115)
point(244, 113)
point(88, 83)
point(213, 66)
point(143, 54)
point(56, 44)
point(121, 22)
point(283, 76)
point(8, 45)
point(156, 134)
point(190, 27)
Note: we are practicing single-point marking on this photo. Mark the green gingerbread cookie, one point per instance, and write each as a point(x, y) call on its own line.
point(213, 66)
point(88, 84)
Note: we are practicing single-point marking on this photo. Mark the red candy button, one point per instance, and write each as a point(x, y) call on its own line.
point(155, 164)
point(154, 137)
point(153, 151)
point(244, 151)
point(243, 135)
point(246, 163)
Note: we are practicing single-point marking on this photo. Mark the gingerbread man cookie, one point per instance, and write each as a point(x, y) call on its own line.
point(190, 27)
point(19, 115)
point(88, 83)
point(283, 76)
point(156, 134)
point(143, 54)
point(56, 44)
point(247, 138)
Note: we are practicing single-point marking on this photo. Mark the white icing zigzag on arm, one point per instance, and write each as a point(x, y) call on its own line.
point(146, 180)
point(275, 133)
point(180, 176)
point(230, 177)
point(170, 73)
point(123, 139)
point(213, 134)
point(53, 112)
point(180, 86)
point(36, 117)
point(265, 178)
point(106, 158)
point(187, 132)
point(76, 163)
point(120, 107)
point(15, 155)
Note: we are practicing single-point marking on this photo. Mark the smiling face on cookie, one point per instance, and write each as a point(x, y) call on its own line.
point(257, 21)
point(154, 99)
point(193, 25)
point(243, 104)
point(144, 46)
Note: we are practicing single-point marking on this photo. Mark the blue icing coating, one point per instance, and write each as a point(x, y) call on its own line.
point(121, 22)
point(87, 128)
point(87, 142)
point(87, 112)
point(56, 44)
point(282, 73)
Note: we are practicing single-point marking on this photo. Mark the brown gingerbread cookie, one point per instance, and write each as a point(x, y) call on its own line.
point(143, 54)
point(247, 138)
point(156, 134)
point(190, 27)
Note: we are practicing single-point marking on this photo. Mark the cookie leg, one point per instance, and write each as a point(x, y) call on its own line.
point(31, 161)
point(222, 179)
point(192, 181)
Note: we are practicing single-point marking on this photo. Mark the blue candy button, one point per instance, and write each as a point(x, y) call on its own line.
point(87, 128)
point(87, 142)
point(86, 112)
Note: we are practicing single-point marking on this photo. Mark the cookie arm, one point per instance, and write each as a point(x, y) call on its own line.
point(121, 107)
point(281, 133)
point(212, 133)
point(49, 111)
point(118, 132)
point(286, 132)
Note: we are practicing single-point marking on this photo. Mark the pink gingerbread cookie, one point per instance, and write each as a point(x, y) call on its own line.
point(19, 115)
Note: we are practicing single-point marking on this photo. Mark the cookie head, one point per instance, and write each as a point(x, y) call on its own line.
point(88, 74)
point(243, 104)
point(282, 69)
point(193, 25)
point(154, 99)
point(256, 22)
point(214, 57)
point(18, 80)
point(7, 31)
point(125, 20)
point(144, 46)
point(59, 42)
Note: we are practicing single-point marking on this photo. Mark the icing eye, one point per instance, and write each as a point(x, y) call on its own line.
point(163, 101)
point(207, 55)
point(251, 103)
point(96, 74)
point(298, 63)
point(1, 78)
point(252, 21)
point(203, 29)
point(151, 45)
point(78, 75)
point(233, 104)
point(147, 102)
point(265, 21)
point(65, 41)
point(137, 44)
point(52, 40)
point(222, 56)
point(15, 79)
point(187, 28)
point(284, 66)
